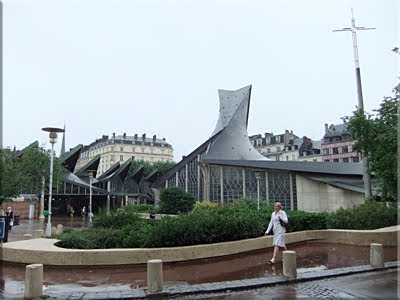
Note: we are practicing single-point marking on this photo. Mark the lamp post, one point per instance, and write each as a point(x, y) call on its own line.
point(41, 217)
point(53, 139)
point(258, 177)
point(90, 196)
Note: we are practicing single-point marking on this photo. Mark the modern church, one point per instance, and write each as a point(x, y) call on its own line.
point(227, 167)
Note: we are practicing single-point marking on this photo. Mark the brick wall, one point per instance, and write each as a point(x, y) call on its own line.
point(22, 208)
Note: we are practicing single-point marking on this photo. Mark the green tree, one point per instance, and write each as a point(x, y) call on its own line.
point(23, 174)
point(376, 136)
point(162, 166)
point(174, 200)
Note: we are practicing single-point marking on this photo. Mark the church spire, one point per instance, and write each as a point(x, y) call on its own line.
point(62, 151)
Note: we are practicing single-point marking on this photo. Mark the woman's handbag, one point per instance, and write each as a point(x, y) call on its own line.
point(283, 223)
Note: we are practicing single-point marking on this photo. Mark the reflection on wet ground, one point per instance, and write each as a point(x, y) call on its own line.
point(27, 226)
point(311, 257)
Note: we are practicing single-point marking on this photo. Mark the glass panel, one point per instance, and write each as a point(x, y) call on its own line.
point(233, 184)
point(215, 184)
point(192, 177)
point(279, 188)
point(181, 178)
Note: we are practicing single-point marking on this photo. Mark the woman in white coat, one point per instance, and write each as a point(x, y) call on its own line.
point(279, 230)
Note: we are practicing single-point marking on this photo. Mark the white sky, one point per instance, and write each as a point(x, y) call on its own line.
point(155, 66)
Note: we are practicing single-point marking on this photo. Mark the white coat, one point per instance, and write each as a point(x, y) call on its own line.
point(279, 230)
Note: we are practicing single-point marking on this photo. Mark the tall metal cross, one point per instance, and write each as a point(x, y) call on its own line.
point(353, 29)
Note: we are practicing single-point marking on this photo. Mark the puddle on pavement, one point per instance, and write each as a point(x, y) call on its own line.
point(311, 257)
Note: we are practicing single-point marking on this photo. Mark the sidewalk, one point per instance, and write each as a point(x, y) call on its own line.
point(376, 285)
point(351, 282)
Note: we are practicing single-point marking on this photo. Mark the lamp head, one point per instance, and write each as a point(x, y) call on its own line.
point(53, 133)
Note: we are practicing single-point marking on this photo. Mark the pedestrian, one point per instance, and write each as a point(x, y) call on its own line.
point(71, 211)
point(84, 211)
point(279, 230)
point(10, 214)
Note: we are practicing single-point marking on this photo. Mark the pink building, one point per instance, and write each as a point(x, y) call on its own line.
point(337, 145)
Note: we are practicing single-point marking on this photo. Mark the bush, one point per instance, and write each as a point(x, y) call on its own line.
point(174, 200)
point(209, 223)
point(140, 208)
point(205, 205)
point(91, 238)
point(251, 203)
point(370, 215)
point(301, 220)
point(117, 219)
point(203, 228)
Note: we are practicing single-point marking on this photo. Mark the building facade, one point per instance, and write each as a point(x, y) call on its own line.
point(122, 147)
point(228, 167)
point(337, 145)
point(287, 147)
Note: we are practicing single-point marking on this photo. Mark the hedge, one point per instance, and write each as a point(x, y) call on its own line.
point(209, 224)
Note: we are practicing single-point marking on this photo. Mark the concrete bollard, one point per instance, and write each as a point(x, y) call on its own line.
point(155, 280)
point(289, 264)
point(37, 234)
point(33, 281)
point(27, 236)
point(376, 255)
point(60, 229)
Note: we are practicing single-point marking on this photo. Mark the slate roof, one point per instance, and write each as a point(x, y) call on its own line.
point(352, 184)
point(336, 130)
point(298, 166)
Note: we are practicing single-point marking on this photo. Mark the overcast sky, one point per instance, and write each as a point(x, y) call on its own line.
point(155, 67)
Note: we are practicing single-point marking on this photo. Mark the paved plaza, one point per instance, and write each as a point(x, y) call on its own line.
point(245, 275)
point(376, 285)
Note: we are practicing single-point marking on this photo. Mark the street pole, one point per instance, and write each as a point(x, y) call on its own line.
point(90, 197)
point(53, 139)
point(353, 29)
point(48, 229)
point(258, 177)
point(41, 216)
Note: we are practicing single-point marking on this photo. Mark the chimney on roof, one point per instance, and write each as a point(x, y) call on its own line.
point(154, 138)
point(113, 135)
point(144, 137)
point(326, 128)
point(135, 136)
point(306, 142)
point(124, 135)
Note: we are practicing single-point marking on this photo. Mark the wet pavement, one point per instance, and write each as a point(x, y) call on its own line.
point(376, 285)
point(27, 226)
point(311, 257)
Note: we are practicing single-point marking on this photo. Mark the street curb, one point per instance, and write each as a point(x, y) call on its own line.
point(260, 282)
point(234, 285)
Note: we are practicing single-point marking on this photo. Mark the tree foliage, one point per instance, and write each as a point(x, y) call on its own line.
point(174, 200)
point(162, 166)
point(23, 174)
point(376, 136)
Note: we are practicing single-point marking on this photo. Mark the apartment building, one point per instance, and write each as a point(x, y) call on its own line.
point(122, 147)
point(337, 145)
point(287, 146)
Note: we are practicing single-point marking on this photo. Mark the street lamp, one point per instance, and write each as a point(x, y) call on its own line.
point(53, 139)
point(258, 177)
point(90, 196)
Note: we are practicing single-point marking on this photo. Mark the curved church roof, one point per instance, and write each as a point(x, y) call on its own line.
point(233, 141)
